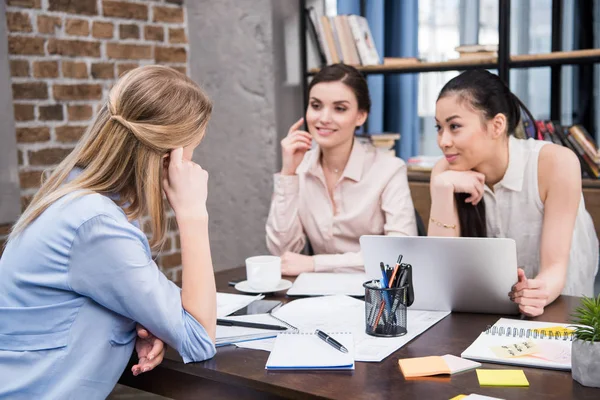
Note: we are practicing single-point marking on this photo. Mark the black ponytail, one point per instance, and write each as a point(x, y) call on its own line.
point(488, 93)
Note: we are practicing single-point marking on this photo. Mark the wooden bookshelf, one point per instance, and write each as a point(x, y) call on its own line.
point(518, 61)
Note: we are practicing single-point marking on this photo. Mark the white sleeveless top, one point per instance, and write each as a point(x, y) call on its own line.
point(514, 210)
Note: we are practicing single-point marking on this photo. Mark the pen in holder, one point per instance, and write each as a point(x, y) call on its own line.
point(385, 309)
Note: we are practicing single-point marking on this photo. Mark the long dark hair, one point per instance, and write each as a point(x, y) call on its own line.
point(351, 77)
point(487, 93)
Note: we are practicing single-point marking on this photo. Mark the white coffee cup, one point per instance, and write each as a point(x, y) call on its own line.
point(263, 272)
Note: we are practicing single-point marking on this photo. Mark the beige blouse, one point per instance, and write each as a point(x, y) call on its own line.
point(371, 197)
point(514, 210)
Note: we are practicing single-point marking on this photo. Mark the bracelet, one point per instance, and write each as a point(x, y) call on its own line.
point(442, 225)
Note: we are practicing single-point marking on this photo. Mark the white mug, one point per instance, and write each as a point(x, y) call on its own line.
point(263, 272)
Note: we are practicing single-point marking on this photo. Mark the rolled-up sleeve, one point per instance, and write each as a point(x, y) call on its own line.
point(111, 263)
point(284, 229)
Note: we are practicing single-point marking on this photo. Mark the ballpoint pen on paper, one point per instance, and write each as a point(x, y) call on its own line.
point(328, 339)
point(229, 322)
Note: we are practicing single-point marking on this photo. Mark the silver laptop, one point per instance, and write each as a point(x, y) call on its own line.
point(450, 274)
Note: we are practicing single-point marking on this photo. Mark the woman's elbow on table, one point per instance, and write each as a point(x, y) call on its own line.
point(196, 345)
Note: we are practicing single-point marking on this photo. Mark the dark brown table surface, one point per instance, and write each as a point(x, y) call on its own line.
point(240, 373)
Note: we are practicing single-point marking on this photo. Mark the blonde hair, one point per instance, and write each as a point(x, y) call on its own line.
point(150, 111)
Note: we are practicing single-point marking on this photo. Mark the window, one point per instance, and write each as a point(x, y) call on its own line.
point(440, 31)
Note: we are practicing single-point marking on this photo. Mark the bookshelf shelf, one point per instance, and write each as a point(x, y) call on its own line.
point(412, 67)
point(589, 56)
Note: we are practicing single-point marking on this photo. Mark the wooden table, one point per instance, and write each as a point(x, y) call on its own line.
point(240, 373)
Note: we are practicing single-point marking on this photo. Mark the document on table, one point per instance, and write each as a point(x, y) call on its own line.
point(347, 314)
point(237, 334)
point(325, 283)
point(228, 303)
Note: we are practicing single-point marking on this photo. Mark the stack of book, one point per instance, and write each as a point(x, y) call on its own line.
point(342, 38)
point(574, 137)
point(477, 51)
point(382, 141)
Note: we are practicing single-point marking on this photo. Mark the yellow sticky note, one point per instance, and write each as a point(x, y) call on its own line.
point(423, 366)
point(459, 397)
point(502, 377)
point(515, 349)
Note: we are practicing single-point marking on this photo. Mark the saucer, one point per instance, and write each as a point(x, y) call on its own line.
point(245, 287)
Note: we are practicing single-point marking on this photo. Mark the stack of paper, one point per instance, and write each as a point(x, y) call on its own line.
point(235, 334)
point(323, 284)
point(435, 365)
point(347, 314)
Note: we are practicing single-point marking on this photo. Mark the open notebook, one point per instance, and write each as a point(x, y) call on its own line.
point(304, 350)
point(525, 343)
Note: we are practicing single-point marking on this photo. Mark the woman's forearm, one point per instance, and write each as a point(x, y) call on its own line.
point(555, 278)
point(198, 293)
point(443, 219)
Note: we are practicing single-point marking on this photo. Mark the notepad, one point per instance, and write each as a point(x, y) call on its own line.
point(502, 377)
point(474, 397)
point(435, 365)
point(524, 343)
point(306, 351)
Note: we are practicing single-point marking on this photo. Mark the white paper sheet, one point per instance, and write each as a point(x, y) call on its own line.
point(346, 314)
point(323, 283)
point(228, 303)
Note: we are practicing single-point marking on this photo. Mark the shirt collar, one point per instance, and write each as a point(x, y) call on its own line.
point(513, 177)
point(354, 167)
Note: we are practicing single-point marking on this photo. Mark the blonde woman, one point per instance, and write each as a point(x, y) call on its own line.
point(77, 273)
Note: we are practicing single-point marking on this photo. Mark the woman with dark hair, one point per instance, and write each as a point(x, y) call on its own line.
point(532, 191)
point(339, 190)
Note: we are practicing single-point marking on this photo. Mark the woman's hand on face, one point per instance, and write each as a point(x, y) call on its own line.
point(150, 351)
point(530, 294)
point(470, 182)
point(293, 264)
point(293, 148)
point(186, 185)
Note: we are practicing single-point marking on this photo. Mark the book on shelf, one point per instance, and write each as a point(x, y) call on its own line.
point(477, 48)
point(342, 38)
point(575, 138)
point(478, 55)
point(316, 37)
point(385, 140)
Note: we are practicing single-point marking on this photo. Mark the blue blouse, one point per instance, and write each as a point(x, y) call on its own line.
point(72, 286)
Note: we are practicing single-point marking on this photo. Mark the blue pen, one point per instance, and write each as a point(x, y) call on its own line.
point(385, 282)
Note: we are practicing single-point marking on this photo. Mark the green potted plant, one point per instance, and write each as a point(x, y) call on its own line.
point(585, 354)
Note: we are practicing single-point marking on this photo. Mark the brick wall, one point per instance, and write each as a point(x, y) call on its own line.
point(64, 57)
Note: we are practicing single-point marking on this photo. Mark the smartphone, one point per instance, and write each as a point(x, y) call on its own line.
point(258, 307)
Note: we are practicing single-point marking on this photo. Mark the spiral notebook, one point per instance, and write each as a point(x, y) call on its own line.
point(305, 350)
point(525, 343)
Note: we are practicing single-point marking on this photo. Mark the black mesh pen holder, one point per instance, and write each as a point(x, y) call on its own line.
point(385, 309)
